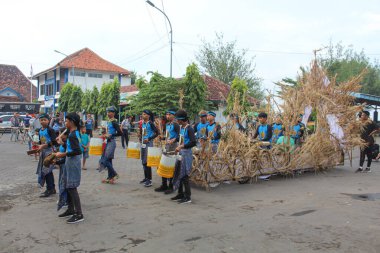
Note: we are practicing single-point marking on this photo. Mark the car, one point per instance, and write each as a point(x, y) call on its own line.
point(5, 120)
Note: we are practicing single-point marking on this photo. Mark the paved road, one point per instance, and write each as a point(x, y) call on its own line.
point(323, 212)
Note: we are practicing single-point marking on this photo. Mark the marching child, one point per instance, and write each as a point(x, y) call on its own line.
point(171, 137)
point(278, 129)
point(200, 128)
point(113, 130)
point(85, 145)
point(264, 131)
point(213, 131)
point(46, 145)
point(186, 143)
point(72, 170)
point(35, 142)
point(148, 133)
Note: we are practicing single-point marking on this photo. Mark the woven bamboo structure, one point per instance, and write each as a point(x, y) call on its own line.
point(240, 158)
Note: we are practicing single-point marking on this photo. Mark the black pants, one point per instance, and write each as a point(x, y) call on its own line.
point(184, 183)
point(124, 137)
point(73, 201)
point(165, 182)
point(367, 151)
point(147, 172)
point(49, 178)
point(89, 132)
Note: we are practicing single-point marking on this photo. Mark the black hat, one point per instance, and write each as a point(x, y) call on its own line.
point(171, 111)
point(72, 116)
point(150, 113)
point(44, 116)
point(366, 112)
point(111, 109)
point(181, 115)
point(263, 115)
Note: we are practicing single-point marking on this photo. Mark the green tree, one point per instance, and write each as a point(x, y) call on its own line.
point(344, 63)
point(64, 97)
point(75, 101)
point(194, 91)
point(86, 100)
point(158, 95)
point(224, 61)
point(239, 89)
point(93, 105)
point(109, 96)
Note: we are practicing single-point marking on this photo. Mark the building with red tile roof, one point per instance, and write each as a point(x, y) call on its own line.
point(83, 68)
point(15, 86)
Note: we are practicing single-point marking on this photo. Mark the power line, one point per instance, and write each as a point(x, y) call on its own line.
point(149, 53)
point(142, 50)
point(151, 19)
point(166, 26)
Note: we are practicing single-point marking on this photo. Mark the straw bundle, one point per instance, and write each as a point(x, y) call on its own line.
point(239, 157)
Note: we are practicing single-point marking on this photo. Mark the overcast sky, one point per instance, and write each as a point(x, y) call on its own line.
point(130, 33)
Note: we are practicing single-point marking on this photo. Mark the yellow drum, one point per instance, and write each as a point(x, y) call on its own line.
point(134, 149)
point(167, 166)
point(96, 146)
point(154, 156)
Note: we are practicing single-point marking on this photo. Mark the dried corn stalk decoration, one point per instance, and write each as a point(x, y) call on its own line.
point(240, 158)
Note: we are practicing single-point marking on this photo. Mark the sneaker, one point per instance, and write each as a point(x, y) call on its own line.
point(148, 183)
point(359, 170)
point(143, 181)
point(66, 214)
point(162, 188)
point(367, 170)
point(169, 191)
point(177, 197)
point(116, 176)
point(184, 201)
point(76, 218)
point(106, 181)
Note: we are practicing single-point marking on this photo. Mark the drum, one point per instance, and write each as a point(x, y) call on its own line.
point(154, 156)
point(96, 146)
point(167, 166)
point(134, 150)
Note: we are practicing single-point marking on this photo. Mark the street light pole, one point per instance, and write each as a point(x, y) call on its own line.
point(171, 35)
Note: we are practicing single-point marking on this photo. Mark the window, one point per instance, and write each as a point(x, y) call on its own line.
point(112, 77)
point(95, 75)
point(42, 89)
point(78, 73)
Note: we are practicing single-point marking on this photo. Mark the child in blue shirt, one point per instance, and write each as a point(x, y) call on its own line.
point(85, 145)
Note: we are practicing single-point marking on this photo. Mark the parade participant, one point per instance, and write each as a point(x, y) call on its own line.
point(298, 131)
point(200, 128)
point(278, 129)
point(125, 124)
point(71, 176)
point(369, 128)
point(27, 119)
point(113, 130)
point(264, 131)
point(187, 142)
point(36, 142)
point(236, 122)
point(85, 143)
point(46, 144)
point(89, 125)
point(148, 133)
point(171, 138)
point(62, 139)
point(213, 131)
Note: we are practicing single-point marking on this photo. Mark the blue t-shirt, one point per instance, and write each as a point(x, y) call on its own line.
point(44, 136)
point(89, 123)
point(69, 149)
point(148, 131)
point(263, 132)
point(212, 128)
point(27, 121)
point(296, 131)
point(201, 130)
point(171, 130)
point(111, 129)
point(277, 132)
point(85, 139)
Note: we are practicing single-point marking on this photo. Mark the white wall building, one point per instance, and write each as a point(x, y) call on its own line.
point(83, 68)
